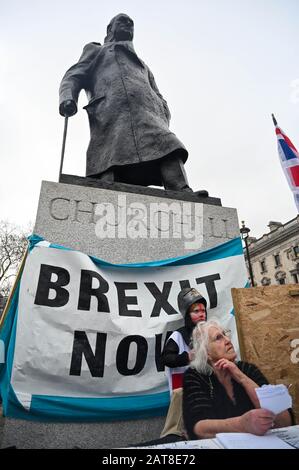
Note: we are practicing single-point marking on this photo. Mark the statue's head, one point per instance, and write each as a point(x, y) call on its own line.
point(120, 28)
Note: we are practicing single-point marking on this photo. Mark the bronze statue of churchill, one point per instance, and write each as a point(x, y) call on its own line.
point(130, 140)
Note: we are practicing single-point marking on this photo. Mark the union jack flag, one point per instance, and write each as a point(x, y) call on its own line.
point(289, 159)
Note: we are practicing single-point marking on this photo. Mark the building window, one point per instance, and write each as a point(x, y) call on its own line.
point(277, 260)
point(263, 266)
point(295, 278)
point(296, 251)
point(280, 277)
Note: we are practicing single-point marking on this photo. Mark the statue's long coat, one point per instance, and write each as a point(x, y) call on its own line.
point(128, 116)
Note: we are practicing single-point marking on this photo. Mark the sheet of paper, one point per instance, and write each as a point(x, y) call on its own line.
point(197, 444)
point(289, 434)
point(239, 440)
point(275, 398)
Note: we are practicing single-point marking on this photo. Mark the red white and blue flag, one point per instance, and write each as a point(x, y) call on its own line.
point(289, 159)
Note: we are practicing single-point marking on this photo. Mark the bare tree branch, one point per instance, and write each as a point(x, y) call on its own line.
point(13, 243)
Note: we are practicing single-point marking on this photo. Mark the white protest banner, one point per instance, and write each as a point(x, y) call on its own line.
point(85, 336)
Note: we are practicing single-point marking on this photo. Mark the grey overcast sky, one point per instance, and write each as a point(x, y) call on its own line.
point(223, 66)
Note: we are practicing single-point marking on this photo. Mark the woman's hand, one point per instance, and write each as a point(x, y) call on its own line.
point(225, 365)
point(257, 421)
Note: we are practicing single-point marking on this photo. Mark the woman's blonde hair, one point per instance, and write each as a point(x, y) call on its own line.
point(200, 345)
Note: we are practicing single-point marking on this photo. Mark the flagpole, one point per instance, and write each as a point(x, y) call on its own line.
point(274, 120)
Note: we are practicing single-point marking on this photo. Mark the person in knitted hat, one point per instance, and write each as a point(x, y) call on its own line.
point(176, 354)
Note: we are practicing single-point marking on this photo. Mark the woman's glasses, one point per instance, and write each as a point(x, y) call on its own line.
point(226, 334)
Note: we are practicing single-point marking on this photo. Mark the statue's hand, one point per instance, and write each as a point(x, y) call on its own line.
point(68, 108)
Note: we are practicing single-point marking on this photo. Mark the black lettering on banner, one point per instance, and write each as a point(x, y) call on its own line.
point(124, 301)
point(158, 350)
point(210, 286)
point(161, 298)
point(122, 356)
point(45, 285)
point(184, 284)
point(87, 291)
point(95, 361)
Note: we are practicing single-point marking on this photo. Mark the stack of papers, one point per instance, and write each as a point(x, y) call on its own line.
point(275, 398)
point(283, 438)
point(198, 444)
point(240, 440)
point(289, 434)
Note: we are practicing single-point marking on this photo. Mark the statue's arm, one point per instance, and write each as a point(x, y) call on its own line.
point(75, 79)
point(156, 90)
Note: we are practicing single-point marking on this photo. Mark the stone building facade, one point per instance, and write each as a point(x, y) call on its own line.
point(275, 256)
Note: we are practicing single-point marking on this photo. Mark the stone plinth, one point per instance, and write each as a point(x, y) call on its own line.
point(122, 226)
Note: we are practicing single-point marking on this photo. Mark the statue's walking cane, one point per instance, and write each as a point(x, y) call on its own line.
point(63, 146)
